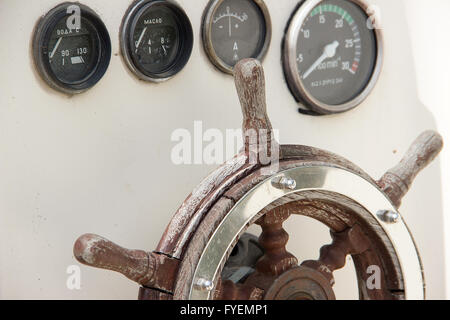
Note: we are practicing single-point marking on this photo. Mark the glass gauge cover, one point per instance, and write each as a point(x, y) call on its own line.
point(332, 54)
point(156, 39)
point(71, 59)
point(235, 29)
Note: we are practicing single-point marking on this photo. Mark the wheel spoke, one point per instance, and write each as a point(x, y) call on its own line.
point(273, 239)
point(333, 256)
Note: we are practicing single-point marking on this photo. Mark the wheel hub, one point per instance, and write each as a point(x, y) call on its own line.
point(300, 283)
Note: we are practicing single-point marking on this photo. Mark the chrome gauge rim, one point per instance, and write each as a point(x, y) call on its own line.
point(313, 178)
point(289, 57)
point(207, 21)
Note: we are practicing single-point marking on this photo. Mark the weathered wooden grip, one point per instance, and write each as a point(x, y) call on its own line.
point(396, 182)
point(250, 86)
point(96, 251)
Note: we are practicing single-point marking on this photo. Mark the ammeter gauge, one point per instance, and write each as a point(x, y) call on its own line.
point(332, 54)
point(71, 48)
point(156, 39)
point(235, 29)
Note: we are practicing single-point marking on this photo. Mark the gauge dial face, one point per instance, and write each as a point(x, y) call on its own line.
point(156, 39)
point(234, 30)
point(334, 57)
point(73, 54)
point(71, 60)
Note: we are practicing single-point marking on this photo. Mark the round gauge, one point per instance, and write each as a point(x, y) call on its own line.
point(235, 30)
point(156, 39)
point(71, 48)
point(332, 55)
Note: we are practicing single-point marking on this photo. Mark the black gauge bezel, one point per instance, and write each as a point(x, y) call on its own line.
point(308, 104)
point(42, 37)
point(207, 19)
point(186, 38)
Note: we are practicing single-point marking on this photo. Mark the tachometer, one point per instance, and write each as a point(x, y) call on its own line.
point(332, 55)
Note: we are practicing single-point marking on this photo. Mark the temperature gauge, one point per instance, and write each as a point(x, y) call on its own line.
point(156, 39)
point(234, 30)
point(71, 48)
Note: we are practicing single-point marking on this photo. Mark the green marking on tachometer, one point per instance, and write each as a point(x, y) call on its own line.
point(332, 8)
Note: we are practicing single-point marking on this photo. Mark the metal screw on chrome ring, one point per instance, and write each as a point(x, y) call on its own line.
point(388, 216)
point(204, 285)
point(284, 183)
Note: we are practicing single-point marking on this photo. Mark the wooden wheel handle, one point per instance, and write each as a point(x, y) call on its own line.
point(396, 182)
point(256, 126)
point(96, 251)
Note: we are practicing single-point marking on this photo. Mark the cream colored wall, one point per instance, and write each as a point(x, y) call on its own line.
point(100, 162)
point(429, 33)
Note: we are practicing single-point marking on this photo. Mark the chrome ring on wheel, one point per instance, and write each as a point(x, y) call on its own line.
point(342, 183)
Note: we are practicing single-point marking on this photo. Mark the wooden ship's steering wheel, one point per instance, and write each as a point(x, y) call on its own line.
point(206, 254)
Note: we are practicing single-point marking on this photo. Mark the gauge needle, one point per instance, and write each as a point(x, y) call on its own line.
point(56, 47)
point(140, 39)
point(328, 52)
point(229, 21)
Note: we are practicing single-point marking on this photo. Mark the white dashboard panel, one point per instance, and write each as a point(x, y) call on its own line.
point(100, 162)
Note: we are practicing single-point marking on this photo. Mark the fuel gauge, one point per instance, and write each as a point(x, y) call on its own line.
point(234, 30)
point(71, 57)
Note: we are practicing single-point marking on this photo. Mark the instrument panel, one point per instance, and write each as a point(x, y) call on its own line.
point(331, 53)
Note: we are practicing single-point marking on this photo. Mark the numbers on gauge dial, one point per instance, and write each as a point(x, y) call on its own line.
point(335, 52)
point(74, 56)
point(343, 58)
point(71, 53)
point(230, 21)
point(154, 45)
point(236, 29)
